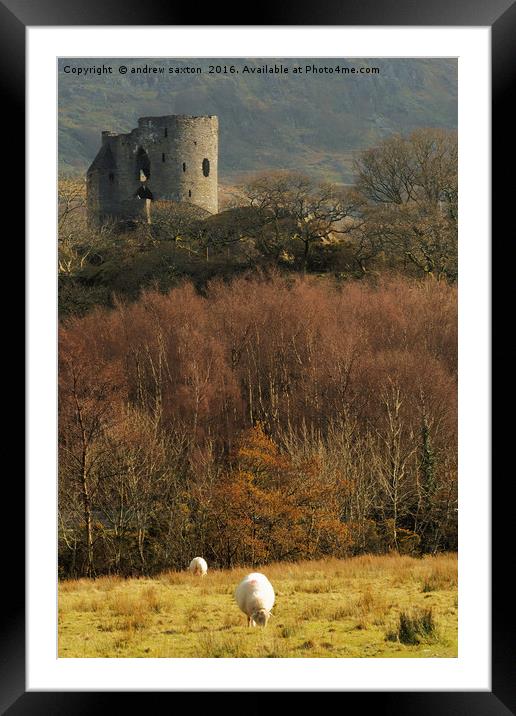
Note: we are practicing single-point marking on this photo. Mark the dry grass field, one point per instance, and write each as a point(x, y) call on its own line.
point(369, 606)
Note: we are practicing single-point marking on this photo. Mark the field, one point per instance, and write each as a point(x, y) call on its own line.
point(369, 606)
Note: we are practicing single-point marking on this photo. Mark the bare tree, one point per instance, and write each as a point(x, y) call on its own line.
point(409, 187)
point(294, 207)
point(84, 408)
point(392, 462)
point(71, 195)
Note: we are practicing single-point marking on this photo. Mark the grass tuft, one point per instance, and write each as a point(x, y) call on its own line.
point(415, 627)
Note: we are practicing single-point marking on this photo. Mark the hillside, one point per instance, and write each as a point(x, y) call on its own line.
point(309, 122)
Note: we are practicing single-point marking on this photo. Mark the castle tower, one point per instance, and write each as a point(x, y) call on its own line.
point(175, 157)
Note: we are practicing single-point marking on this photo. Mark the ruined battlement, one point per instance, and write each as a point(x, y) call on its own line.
point(174, 156)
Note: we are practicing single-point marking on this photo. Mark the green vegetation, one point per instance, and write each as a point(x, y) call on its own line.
point(361, 607)
point(414, 627)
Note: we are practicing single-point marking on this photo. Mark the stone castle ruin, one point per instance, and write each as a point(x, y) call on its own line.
point(171, 158)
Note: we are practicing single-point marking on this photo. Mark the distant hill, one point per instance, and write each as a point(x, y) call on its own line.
point(313, 123)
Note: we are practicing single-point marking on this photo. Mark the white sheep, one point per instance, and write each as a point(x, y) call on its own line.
point(255, 597)
point(198, 566)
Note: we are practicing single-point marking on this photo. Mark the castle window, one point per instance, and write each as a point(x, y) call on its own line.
point(184, 166)
point(206, 167)
point(142, 165)
point(162, 157)
point(111, 177)
point(166, 132)
point(190, 193)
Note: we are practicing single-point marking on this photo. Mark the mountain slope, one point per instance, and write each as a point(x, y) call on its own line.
point(311, 122)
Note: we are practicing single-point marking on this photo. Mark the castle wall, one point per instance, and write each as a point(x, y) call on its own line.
point(179, 154)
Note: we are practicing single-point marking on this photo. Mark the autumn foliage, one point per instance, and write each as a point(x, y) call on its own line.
point(269, 418)
point(271, 509)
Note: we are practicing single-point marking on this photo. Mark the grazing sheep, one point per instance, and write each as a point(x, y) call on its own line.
point(255, 597)
point(198, 566)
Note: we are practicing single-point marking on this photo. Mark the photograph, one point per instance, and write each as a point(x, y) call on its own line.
point(257, 271)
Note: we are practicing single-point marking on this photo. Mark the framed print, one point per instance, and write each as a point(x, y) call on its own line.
point(256, 459)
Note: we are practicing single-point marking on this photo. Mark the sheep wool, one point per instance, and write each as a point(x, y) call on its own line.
point(198, 566)
point(255, 597)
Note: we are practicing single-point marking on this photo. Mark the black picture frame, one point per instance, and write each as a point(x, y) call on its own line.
point(500, 16)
